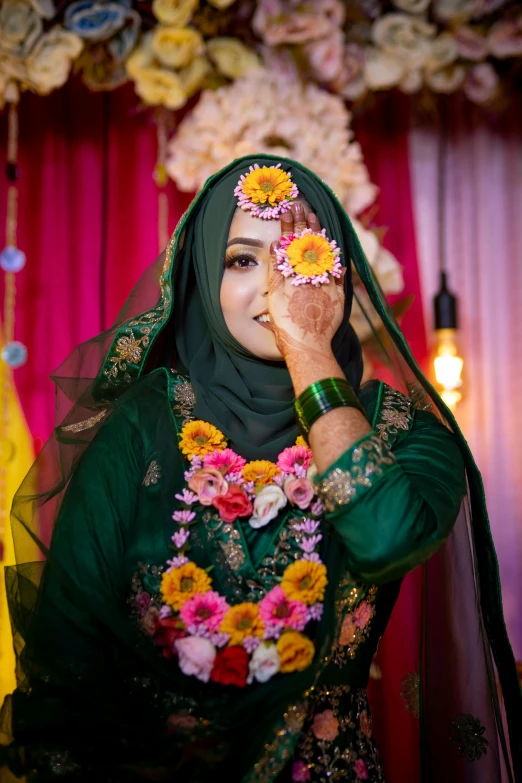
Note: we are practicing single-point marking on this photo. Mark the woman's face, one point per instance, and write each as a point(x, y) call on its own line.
point(244, 288)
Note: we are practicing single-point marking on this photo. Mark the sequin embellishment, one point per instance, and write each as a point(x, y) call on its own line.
point(152, 475)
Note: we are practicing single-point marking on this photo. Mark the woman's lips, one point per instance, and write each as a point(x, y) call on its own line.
point(265, 324)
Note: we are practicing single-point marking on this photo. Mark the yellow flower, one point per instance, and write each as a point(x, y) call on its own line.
point(199, 438)
point(260, 471)
point(295, 651)
point(232, 58)
point(241, 621)
point(193, 75)
point(265, 184)
point(300, 441)
point(180, 584)
point(176, 46)
point(160, 87)
point(310, 254)
point(221, 4)
point(305, 581)
point(174, 12)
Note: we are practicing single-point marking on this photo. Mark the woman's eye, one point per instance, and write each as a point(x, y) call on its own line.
point(241, 262)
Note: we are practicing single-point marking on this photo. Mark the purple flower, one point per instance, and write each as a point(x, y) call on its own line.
point(142, 602)
point(184, 517)
point(177, 562)
point(308, 544)
point(165, 611)
point(315, 611)
point(250, 643)
point(299, 470)
point(195, 463)
point(316, 508)
point(313, 557)
point(188, 475)
point(273, 631)
point(186, 496)
point(220, 639)
point(308, 526)
point(179, 538)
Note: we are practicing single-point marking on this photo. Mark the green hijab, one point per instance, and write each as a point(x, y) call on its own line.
point(247, 398)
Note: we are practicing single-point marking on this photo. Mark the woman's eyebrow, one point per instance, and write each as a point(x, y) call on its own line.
point(245, 241)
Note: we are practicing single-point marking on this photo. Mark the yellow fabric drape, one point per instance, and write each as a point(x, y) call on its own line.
point(19, 435)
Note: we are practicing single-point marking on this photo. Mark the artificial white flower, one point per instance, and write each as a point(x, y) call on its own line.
point(382, 70)
point(444, 51)
point(20, 27)
point(481, 84)
point(446, 80)
point(405, 37)
point(267, 505)
point(447, 10)
point(270, 112)
point(49, 64)
point(265, 662)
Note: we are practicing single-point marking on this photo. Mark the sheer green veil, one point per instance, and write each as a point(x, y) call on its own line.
point(465, 669)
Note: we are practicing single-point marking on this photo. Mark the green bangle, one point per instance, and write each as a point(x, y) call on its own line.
point(321, 397)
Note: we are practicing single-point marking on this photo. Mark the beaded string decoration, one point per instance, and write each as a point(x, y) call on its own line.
point(161, 178)
point(12, 260)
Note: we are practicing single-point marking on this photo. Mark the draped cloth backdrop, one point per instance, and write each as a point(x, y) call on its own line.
point(88, 222)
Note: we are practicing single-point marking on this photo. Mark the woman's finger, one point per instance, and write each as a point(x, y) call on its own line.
point(313, 222)
point(287, 224)
point(298, 212)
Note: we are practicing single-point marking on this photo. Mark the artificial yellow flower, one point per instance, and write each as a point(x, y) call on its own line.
point(305, 581)
point(310, 255)
point(260, 471)
point(193, 75)
point(174, 12)
point(300, 441)
point(295, 651)
point(267, 185)
point(199, 438)
point(233, 59)
point(241, 621)
point(180, 584)
point(176, 46)
point(160, 87)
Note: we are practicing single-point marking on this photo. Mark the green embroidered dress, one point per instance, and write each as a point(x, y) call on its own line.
point(112, 538)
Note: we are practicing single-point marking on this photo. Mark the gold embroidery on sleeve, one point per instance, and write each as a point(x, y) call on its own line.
point(86, 424)
point(395, 414)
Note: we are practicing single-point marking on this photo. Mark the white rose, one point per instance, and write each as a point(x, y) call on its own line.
point(267, 505)
point(405, 37)
point(20, 26)
point(196, 656)
point(411, 82)
point(382, 70)
point(49, 63)
point(444, 51)
point(446, 80)
point(264, 663)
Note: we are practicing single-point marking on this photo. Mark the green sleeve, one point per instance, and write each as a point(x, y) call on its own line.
point(394, 508)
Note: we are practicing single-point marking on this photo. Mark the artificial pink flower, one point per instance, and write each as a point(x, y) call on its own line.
point(275, 609)
point(295, 454)
point(196, 656)
point(208, 483)
point(234, 504)
point(363, 614)
point(142, 601)
point(482, 83)
point(505, 38)
point(299, 491)
point(348, 630)
point(300, 772)
point(360, 769)
point(226, 461)
point(204, 611)
point(325, 726)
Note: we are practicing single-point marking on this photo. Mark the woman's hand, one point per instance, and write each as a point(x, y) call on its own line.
point(304, 318)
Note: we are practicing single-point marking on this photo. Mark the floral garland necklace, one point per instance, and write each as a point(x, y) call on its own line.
point(235, 645)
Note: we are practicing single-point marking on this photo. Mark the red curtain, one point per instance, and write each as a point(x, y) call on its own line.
point(88, 216)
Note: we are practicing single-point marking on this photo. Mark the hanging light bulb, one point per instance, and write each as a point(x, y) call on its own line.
point(447, 363)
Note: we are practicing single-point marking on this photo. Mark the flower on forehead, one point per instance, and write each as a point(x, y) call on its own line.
point(305, 580)
point(260, 471)
point(225, 461)
point(308, 257)
point(204, 612)
point(199, 438)
point(295, 455)
point(266, 191)
point(180, 584)
point(276, 609)
point(242, 621)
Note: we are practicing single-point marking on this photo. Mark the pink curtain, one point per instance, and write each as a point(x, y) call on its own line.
point(483, 220)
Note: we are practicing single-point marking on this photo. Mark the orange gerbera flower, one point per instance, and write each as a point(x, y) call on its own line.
point(305, 581)
point(267, 185)
point(199, 438)
point(260, 471)
point(180, 584)
point(310, 255)
point(241, 621)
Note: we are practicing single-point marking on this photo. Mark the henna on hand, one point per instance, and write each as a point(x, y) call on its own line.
point(312, 310)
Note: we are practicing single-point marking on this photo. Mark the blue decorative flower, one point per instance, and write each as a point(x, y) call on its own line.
point(14, 354)
point(95, 21)
point(12, 259)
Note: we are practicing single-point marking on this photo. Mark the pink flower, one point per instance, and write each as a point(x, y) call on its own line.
point(186, 497)
point(208, 483)
point(325, 56)
point(360, 769)
point(142, 601)
point(226, 461)
point(196, 656)
point(204, 612)
point(363, 614)
point(481, 83)
point(308, 544)
point(348, 630)
point(471, 45)
point(300, 772)
point(179, 539)
point(299, 491)
point(276, 24)
point(276, 610)
point(288, 458)
point(233, 505)
point(325, 726)
point(184, 517)
point(505, 38)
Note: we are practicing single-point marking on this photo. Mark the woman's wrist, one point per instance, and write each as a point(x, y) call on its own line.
point(309, 366)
